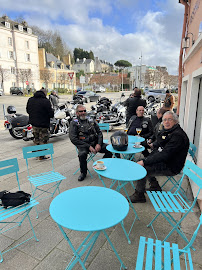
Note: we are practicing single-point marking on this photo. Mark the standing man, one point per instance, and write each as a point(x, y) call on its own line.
point(167, 158)
point(40, 112)
point(86, 135)
point(132, 103)
point(168, 101)
point(54, 99)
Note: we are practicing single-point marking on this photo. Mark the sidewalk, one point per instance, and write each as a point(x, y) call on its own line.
point(52, 251)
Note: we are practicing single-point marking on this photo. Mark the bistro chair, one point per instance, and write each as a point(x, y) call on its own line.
point(166, 203)
point(12, 217)
point(106, 127)
point(173, 180)
point(45, 183)
point(163, 255)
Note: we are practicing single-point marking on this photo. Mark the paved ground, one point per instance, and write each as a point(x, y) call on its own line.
point(52, 252)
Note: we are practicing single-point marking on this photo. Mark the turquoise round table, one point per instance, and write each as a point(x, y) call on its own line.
point(134, 139)
point(128, 154)
point(91, 209)
point(121, 172)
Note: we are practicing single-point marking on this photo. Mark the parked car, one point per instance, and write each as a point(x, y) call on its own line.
point(87, 96)
point(153, 94)
point(16, 91)
point(100, 89)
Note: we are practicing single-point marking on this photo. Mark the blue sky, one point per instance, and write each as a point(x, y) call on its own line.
point(113, 30)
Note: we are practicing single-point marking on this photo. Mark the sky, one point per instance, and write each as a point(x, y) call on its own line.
point(112, 29)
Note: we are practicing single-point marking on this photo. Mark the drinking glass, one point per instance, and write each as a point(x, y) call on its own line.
point(138, 130)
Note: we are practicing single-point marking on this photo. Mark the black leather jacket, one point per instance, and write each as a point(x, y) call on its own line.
point(171, 147)
point(85, 133)
point(132, 104)
point(145, 124)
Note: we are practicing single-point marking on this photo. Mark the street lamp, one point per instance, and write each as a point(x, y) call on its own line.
point(140, 70)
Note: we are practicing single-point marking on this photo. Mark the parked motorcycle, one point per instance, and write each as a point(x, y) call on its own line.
point(15, 123)
point(59, 125)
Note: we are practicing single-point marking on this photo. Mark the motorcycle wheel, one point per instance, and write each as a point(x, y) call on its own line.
point(17, 134)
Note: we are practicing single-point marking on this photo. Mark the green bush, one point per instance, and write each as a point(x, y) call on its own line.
point(62, 90)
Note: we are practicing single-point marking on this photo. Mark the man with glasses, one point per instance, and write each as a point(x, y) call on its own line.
point(166, 159)
point(86, 135)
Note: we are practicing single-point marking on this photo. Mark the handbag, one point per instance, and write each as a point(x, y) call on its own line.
point(14, 199)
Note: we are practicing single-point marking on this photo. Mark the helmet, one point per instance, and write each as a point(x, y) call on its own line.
point(119, 141)
point(11, 109)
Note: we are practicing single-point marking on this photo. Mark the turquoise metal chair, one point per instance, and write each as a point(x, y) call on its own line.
point(174, 181)
point(106, 127)
point(12, 217)
point(166, 203)
point(164, 255)
point(42, 183)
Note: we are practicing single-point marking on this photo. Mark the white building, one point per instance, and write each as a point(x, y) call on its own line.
point(19, 64)
point(87, 65)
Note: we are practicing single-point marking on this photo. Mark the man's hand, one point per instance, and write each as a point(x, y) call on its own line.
point(141, 163)
point(92, 150)
point(97, 148)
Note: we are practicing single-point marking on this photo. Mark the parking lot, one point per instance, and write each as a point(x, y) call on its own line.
point(52, 251)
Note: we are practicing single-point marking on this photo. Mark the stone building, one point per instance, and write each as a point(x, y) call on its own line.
point(19, 65)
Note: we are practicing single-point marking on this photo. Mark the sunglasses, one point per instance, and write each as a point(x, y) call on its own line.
point(83, 111)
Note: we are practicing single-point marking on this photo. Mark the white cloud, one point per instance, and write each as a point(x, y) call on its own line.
point(157, 33)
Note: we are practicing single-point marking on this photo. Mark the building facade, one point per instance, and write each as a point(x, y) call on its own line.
point(19, 65)
point(87, 65)
point(54, 73)
point(190, 108)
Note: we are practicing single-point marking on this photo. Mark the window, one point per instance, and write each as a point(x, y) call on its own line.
point(10, 42)
point(28, 57)
point(29, 30)
point(12, 70)
point(7, 24)
point(20, 28)
point(10, 55)
point(27, 44)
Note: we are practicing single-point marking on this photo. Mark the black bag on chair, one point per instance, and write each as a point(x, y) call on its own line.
point(14, 199)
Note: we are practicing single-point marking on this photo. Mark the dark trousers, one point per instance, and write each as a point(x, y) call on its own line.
point(158, 169)
point(83, 153)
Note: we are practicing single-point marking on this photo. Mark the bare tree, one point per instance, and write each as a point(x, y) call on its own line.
point(4, 76)
point(63, 78)
point(24, 75)
point(46, 76)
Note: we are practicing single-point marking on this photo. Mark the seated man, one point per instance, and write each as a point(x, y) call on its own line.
point(86, 135)
point(140, 121)
point(167, 158)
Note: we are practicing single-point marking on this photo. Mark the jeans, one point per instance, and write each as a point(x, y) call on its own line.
point(158, 169)
point(83, 153)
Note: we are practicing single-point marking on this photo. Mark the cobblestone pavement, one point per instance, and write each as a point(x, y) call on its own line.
point(52, 251)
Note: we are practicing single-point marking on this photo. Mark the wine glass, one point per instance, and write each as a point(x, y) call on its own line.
point(138, 130)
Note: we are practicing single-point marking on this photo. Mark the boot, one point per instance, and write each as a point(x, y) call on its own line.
point(82, 176)
point(154, 186)
point(138, 197)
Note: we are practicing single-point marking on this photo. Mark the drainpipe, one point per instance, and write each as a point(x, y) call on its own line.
point(181, 52)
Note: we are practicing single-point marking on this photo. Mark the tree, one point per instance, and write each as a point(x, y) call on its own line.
point(80, 54)
point(46, 76)
point(80, 73)
point(24, 75)
point(123, 63)
point(4, 76)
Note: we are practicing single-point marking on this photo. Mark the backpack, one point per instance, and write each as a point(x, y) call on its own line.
point(14, 199)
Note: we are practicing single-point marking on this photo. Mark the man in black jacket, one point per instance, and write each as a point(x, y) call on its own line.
point(167, 158)
point(86, 135)
point(40, 112)
point(140, 121)
point(132, 103)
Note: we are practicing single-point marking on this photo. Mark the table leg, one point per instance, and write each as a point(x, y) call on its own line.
point(88, 242)
point(117, 255)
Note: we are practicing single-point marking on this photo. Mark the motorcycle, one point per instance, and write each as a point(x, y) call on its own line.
point(59, 125)
point(15, 123)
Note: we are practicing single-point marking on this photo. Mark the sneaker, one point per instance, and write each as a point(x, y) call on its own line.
point(138, 197)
